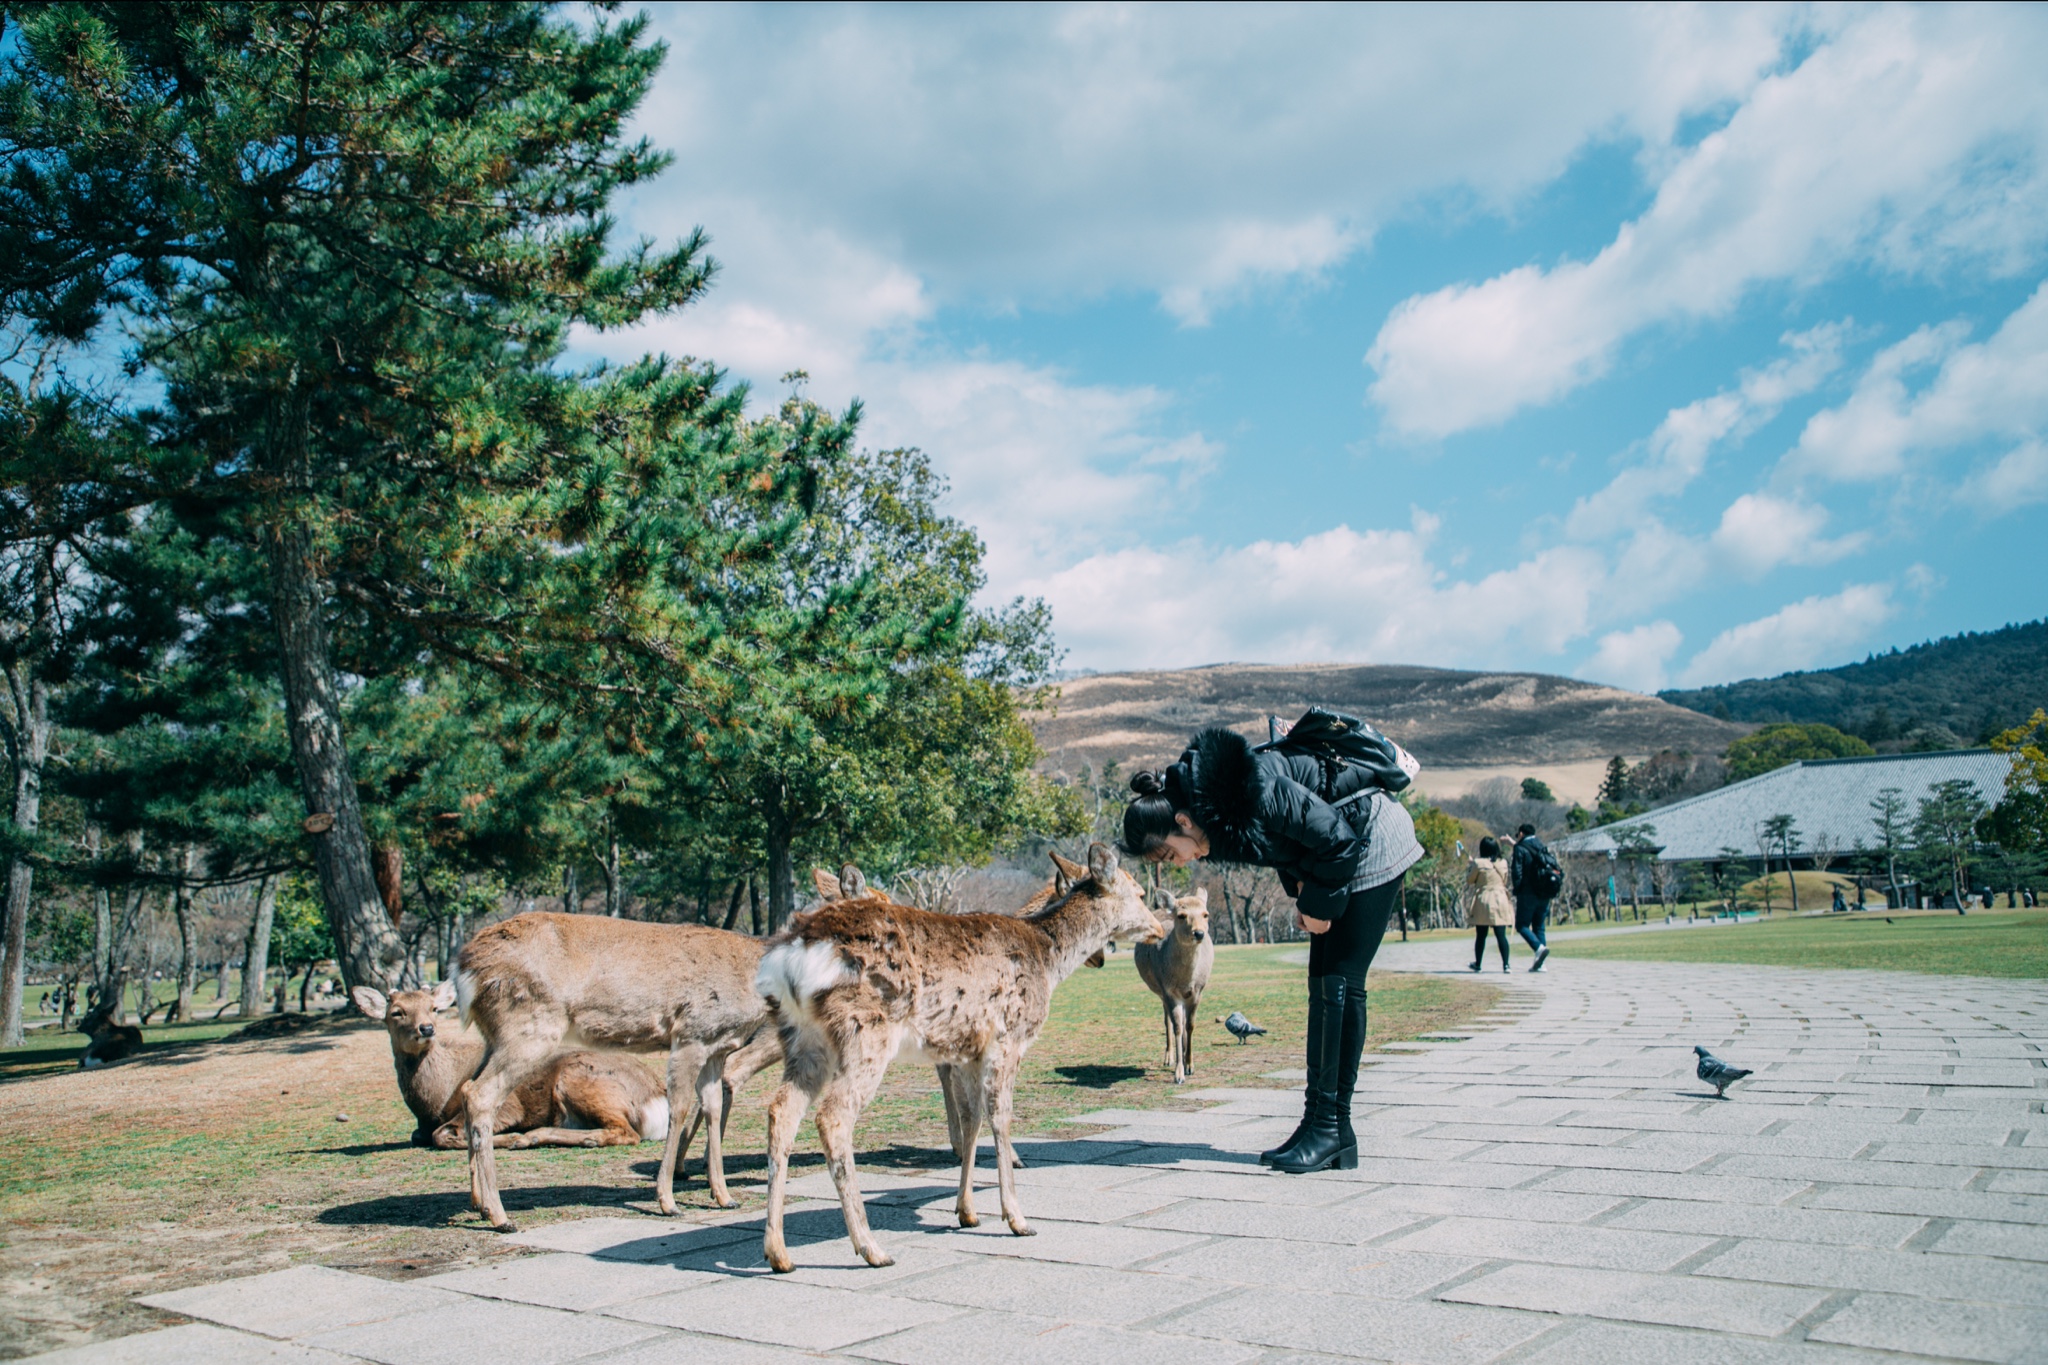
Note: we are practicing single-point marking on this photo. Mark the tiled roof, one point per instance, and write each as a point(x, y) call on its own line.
point(1826, 798)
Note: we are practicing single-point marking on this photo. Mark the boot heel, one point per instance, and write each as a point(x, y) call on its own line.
point(1347, 1159)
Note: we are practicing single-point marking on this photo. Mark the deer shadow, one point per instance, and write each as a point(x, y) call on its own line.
point(1090, 1077)
point(441, 1209)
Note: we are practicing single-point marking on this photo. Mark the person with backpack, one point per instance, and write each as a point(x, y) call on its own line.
point(1536, 877)
point(1318, 808)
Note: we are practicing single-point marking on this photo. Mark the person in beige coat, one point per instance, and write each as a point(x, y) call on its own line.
point(1487, 902)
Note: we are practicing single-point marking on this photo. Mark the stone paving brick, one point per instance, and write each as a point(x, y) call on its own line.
point(1825, 1226)
point(479, 1332)
point(1371, 1272)
point(1349, 1223)
point(1713, 1189)
point(1954, 1330)
point(566, 1280)
point(1670, 1300)
point(625, 1239)
point(1530, 1206)
point(301, 1301)
point(1052, 1341)
point(1267, 1187)
point(1552, 1244)
point(832, 1262)
point(683, 1348)
point(1074, 1243)
point(1891, 1174)
point(779, 1313)
point(1972, 1278)
point(2006, 1208)
point(196, 1343)
point(1070, 1293)
point(1614, 1344)
point(2016, 1241)
point(1415, 1331)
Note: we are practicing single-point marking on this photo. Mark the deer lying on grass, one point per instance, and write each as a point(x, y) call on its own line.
point(1177, 969)
point(538, 983)
point(579, 1099)
point(857, 981)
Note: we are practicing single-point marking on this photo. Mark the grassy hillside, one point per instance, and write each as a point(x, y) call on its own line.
point(1956, 690)
point(1449, 718)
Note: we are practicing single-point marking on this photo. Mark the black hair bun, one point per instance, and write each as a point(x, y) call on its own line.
point(1147, 783)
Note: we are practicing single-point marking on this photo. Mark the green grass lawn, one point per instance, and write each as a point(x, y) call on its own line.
point(1983, 943)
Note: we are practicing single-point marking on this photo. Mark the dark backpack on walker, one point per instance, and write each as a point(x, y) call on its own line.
point(1338, 741)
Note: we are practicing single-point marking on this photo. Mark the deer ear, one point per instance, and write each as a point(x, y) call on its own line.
point(1102, 863)
point(370, 1002)
point(851, 882)
point(1162, 899)
point(444, 995)
point(1094, 961)
point(1202, 898)
point(1069, 869)
point(827, 884)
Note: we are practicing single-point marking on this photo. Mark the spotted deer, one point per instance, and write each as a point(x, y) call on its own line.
point(537, 984)
point(858, 981)
point(1177, 969)
point(580, 1099)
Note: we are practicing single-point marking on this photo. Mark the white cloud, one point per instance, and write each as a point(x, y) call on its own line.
point(1801, 635)
point(1990, 391)
point(2019, 478)
point(1882, 146)
point(1678, 450)
point(1047, 151)
point(1635, 658)
point(1339, 595)
point(1758, 532)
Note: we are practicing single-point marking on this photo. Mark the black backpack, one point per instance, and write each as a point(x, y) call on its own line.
point(1546, 878)
point(1338, 741)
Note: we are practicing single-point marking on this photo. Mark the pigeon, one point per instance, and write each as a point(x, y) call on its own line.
point(1240, 1027)
point(1718, 1073)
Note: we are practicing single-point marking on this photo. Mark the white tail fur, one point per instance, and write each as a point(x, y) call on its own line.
point(465, 996)
point(654, 1119)
point(795, 974)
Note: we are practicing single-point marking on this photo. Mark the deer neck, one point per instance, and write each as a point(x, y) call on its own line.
point(1078, 927)
point(429, 1080)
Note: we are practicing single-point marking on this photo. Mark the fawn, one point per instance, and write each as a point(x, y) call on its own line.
point(1177, 969)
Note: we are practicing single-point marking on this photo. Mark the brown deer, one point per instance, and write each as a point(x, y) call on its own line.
point(857, 981)
point(536, 984)
point(1177, 969)
point(580, 1099)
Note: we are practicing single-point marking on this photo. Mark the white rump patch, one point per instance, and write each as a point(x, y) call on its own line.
point(654, 1119)
point(794, 974)
point(465, 994)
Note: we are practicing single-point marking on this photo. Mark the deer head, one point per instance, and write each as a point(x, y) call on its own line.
point(1191, 913)
point(1131, 920)
point(408, 1016)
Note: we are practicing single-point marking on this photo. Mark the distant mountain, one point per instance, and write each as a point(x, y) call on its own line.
point(1463, 726)
point(1958, 690)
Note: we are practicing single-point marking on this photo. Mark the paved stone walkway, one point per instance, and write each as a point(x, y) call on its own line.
point(1555, 1188)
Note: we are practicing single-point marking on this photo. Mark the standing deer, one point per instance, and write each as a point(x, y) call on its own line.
point(857, 981)
point(579, 1099)
point(538, 983)
point(1177, 969)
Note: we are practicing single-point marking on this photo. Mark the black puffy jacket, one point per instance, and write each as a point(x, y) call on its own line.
point(1268, 810)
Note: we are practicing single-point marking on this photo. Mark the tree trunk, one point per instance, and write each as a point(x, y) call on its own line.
point(571, 902)
point(613, 895)
point(387, 865)
point(368, 952)
point(305, 985)
point(732, 909)
point(188, 940)
point(781, 871)
point(1792, 878)
point(31, 697)
point(754, 906)
point(256, 957)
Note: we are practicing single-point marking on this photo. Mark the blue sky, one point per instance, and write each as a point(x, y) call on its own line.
point(1657, 346)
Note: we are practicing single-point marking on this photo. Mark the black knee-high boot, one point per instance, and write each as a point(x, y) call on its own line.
point(1322, 1139)
point(1308, 1103)
point(1347, 1070)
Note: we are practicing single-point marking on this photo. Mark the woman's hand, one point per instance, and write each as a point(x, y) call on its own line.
point(1310, 923)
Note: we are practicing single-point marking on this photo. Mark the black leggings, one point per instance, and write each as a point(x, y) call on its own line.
point(1500, 936)
point(1347, 949)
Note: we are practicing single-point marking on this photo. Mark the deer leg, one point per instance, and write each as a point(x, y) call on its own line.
point(685, 1059)
point(945, 1070)
point(1184, 1029)
point(1001, 1080)
point(785, 1112)
point(712, 1098)
point(513, 1061)
point(838, 1110)
point(964, 1098)
point(1166, 1004)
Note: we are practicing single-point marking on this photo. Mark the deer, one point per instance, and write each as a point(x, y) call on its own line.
point(861, 980)
point(538, 983)
point(1177, 969)
point(580, 1099)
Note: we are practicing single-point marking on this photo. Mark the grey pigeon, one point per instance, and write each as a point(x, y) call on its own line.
point(1718, 1073)
point(1240, 1027)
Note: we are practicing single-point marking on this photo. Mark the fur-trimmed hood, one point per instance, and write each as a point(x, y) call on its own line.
point(1227, 788)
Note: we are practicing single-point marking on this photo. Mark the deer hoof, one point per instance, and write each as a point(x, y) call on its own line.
point(779, 1262)
point(969, 1218)
point(877, 1257)
point(1023, 1229)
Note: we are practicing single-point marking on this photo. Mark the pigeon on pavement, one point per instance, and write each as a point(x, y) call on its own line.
point(1718, 1073)
point(1240, 1027)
